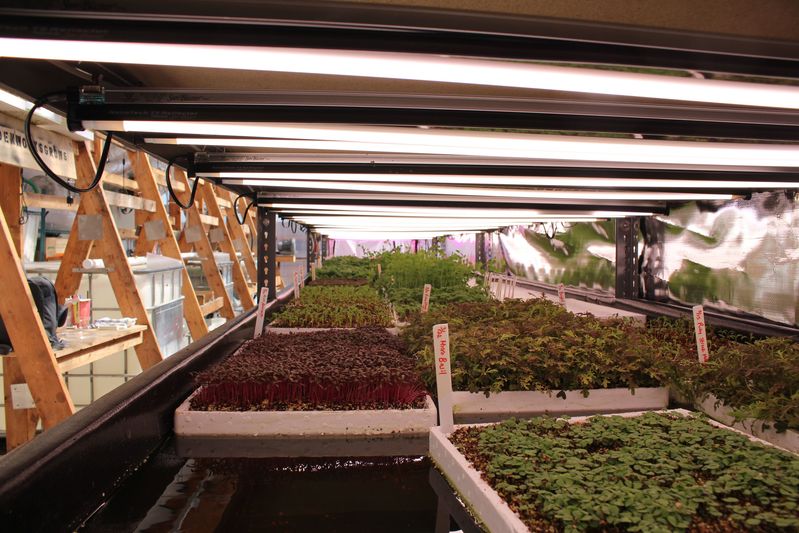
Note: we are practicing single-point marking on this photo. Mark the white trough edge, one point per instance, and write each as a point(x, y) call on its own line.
point(788, 440)
point(532, 403)
point(282, 330)
point(484, 501)
point(273, 424)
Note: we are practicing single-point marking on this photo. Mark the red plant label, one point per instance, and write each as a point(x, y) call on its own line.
point(562, 294)
point(443, 376)
point(702, 349)
point(297, 285)
point(426, 298)
point(259, 318)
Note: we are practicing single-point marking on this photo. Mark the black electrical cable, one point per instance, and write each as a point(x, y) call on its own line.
point(243, 218)
point(172, 191)
point(50, 174)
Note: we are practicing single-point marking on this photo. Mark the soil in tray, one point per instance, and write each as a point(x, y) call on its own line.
point(241, 495)
point(656, 472)
point(363, 368)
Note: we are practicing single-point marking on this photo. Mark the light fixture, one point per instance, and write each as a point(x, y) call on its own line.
point(504, 192)
point(383, 235)
point(458, 142)
point(407, 66)
point(450, 211)
point(522, 181)
point(23, 105)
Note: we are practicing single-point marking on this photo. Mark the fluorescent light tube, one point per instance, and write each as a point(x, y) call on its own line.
point(24, 105)
point(482, 191)
point(453, 211)
point(407, 66)
point(459, 142)
point(389, 235)
point(415, 222)
point(521, 181)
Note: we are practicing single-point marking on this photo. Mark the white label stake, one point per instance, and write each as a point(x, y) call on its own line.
point(379, 269)
point(562, 294)
point(702, 349)
point(443, 376)
point(426, 298)
point(296, 285)
point(313, 272)
point(259, 318)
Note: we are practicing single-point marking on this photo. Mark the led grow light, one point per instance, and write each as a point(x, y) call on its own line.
point(407, 66)
point(458, 142)
point(521, 181)
point(432, 190)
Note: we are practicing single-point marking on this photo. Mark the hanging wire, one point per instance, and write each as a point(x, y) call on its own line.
point(172, 191)
point(48, 98)
point(243, 218)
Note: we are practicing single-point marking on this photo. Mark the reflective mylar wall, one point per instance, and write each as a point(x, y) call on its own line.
point(740, 256)
point(734, 256)
point(579, 254)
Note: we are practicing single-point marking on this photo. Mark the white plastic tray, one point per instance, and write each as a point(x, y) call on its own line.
point(472, 407)
point(249, 424)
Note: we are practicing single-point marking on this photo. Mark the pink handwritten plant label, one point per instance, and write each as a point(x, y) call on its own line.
point(562, 294)
point(702, 348)
point(426, 298)
point(443, 376)
point(259, 317)
point(296, 285)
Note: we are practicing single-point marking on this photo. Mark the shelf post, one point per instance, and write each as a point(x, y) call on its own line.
point(267, 251)
point(627, 278)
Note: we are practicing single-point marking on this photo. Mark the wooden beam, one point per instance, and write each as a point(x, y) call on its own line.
point(49, 201)
point(169, 246)
point(223, 201)
point(11, 202)
point(206, 252)
point(68, 281)
point(237, 233)
point(130, 184)
point(226, 245)
point(128, 233)
point(212, 306)
point(130, 202)
point(123, 282)
point(34, 354)
point(20, 423)
point(209, 220)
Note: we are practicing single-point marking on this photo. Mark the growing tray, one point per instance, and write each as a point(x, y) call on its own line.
point(276, 424)
point(483, 501)
point(787, 440)
point(474, 407)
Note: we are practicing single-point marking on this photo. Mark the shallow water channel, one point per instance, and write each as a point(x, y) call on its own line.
point(172, 492)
